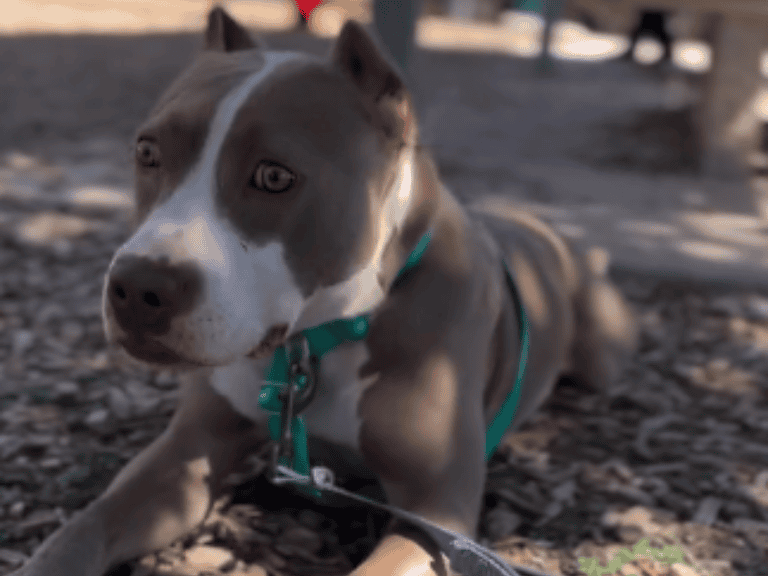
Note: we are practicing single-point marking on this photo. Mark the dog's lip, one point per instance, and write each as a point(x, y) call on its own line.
point(275, 337)
point(155, 352)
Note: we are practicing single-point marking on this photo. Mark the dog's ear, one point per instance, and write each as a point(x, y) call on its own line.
point(225, 35)
point(358, 57)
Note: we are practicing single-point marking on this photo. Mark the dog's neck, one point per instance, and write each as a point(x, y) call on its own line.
point(419, 219)
point(409, 209)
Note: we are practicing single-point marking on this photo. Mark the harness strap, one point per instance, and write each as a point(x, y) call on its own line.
point(281, 375)
point(506, 414)
point(319, 340)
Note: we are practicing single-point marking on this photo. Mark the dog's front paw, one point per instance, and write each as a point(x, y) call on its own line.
point(48, 565)
point(33, 568)
point(64, 565)
point(75, 549)
point(26, 570)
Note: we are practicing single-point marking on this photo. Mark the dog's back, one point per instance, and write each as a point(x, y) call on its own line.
point(584, 327)
point(605, 325)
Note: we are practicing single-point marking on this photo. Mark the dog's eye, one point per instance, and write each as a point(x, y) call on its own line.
point(272, 177)
point(147, 153)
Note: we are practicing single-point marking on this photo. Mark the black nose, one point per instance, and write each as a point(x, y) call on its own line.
point(146, 295)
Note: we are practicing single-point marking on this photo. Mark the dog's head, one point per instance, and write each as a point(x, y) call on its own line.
point(268, 187)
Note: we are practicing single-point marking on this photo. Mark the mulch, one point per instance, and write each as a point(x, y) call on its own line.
point(676, 453)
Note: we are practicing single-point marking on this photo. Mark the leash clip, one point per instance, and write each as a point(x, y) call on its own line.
point(320, 477)
point(283, 447)
point(294, 396)
point(303, 372)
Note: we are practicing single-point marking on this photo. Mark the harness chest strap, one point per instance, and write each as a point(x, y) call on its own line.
point(506, 414)
point(325, 337)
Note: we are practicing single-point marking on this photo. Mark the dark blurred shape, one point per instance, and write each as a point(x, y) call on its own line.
point(479, 10)
point(652, 24)
point(764, 138)
point(302, 23)
point(395, 22)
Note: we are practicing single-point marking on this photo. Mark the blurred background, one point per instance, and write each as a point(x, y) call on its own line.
point(637, 126)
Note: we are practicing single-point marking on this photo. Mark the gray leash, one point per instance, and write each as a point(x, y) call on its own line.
point(465, 556)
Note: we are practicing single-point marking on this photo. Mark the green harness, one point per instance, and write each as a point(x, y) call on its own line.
point(290, 387)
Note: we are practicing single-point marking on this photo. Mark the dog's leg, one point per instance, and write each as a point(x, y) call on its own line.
point(398, 554)
point(406, 549)
point(425, 438)
point(160, 495)
point(605, 326)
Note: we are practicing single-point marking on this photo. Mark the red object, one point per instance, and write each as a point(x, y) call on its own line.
point(306, 6)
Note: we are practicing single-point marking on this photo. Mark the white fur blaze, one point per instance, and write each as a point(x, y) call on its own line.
point(245, 291)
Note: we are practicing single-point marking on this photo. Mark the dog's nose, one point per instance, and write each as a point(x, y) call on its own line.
point(146, 295)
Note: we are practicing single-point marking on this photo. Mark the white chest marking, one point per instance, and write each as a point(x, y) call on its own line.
point(240, 383)
point(332, 415)
point(361, 292)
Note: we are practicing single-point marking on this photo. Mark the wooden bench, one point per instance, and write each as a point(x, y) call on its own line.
point(730, 123)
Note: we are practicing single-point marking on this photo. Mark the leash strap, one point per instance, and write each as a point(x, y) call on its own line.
point(464, 555)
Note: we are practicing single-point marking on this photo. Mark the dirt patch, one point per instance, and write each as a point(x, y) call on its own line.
point(653, 141)
point(676, 452)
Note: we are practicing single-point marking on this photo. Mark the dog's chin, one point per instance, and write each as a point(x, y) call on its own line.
point(156, 354)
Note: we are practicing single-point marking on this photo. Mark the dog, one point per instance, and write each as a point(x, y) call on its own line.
point(275, 192)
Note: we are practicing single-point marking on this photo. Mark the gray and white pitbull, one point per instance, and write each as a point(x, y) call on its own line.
point(276, 191)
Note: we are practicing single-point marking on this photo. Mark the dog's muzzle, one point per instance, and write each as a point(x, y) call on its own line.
point(145, 295)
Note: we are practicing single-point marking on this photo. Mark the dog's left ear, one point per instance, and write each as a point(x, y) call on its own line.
point(225, 35)
point(358, 57)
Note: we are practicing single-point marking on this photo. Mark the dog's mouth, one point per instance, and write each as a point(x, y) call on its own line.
point(153, 352)
point(274, 338)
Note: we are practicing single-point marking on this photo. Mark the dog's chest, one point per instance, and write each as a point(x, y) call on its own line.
point(333, 413)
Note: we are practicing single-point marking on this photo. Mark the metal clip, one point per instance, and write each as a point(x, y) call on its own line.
point(322, 477)
point(303, 365)
point(283, 448)
point(319, 477)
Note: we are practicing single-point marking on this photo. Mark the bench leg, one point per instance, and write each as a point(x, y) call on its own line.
point(729, 125)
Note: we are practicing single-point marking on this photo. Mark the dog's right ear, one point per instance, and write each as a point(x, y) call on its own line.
point(358, 57)
point(225, 35)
